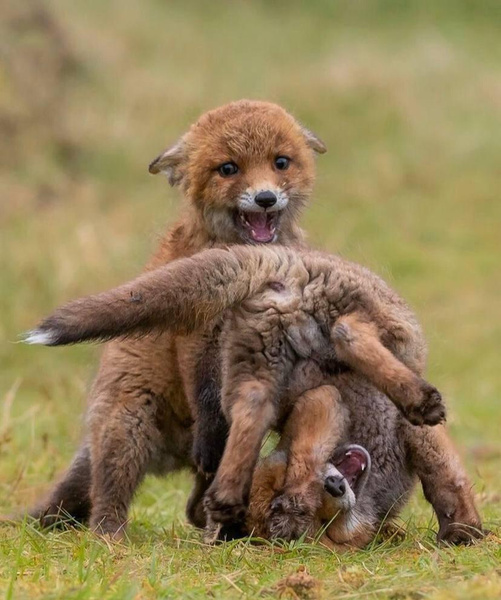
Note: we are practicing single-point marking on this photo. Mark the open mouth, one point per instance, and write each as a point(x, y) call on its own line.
point(261, 227)
point(352, 464)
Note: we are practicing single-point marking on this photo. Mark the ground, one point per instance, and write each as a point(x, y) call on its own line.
point(406, 95)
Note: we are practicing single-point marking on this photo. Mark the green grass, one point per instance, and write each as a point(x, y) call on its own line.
point(407, 97)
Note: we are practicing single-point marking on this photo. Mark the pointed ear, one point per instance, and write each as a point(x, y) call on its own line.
point(170, 161)
point(313, 141)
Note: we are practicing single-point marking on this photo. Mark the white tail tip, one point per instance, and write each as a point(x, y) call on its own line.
point(43, 338)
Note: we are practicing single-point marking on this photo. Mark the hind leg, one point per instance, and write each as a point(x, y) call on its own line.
point(70, 498)
point(123, 449)
point(445, 483)
point(356, 342)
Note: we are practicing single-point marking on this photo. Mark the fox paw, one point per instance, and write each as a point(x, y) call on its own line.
point(217, 532)
point(227, 510)
point(55, 518)
point(109, 528)
point(458, 534)
point(291, 517)
point(430, 411)
point(462, 526)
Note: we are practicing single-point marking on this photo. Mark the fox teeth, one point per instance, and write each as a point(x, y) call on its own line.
point(363, 467)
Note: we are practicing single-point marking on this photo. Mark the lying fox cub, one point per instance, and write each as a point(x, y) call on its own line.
point(304, 329)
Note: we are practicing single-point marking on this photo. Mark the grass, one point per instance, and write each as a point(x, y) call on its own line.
point(407, 97)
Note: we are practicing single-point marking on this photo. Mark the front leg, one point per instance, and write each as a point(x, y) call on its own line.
point(194, 507)
point(209, 440)
point(210, 427)
point(445, 484)
point(317, 424)
point(253, 413)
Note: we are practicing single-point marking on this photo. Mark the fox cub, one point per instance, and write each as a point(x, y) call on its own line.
point(246, 170)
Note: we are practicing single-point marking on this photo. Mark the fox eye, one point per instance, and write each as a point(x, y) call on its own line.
point(227, 169)
point(282, 163)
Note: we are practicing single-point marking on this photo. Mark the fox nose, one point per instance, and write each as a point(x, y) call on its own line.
point(336, 486)
point(265, 199)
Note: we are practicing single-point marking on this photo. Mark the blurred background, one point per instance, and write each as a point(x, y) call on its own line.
point(407, 97)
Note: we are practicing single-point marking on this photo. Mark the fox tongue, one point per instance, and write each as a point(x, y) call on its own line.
point(260, 227)
point(351, 466)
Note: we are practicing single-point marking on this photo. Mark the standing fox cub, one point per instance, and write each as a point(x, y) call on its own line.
point(246, 170)
point(298, 320)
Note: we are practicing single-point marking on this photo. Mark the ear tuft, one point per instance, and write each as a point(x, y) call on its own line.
point(313, 141)
point(169, 162)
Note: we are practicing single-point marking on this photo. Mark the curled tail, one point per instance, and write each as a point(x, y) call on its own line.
point(180, 297)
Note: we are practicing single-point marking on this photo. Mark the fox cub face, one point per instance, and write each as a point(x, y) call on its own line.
point(341, 485)
point(246, 167)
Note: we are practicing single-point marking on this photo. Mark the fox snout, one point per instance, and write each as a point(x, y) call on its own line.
point(263, 198)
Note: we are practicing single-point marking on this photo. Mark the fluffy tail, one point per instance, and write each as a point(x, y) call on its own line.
point(180, 296)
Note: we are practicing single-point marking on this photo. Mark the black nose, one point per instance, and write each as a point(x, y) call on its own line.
point(336, 486)
point(265, 199)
